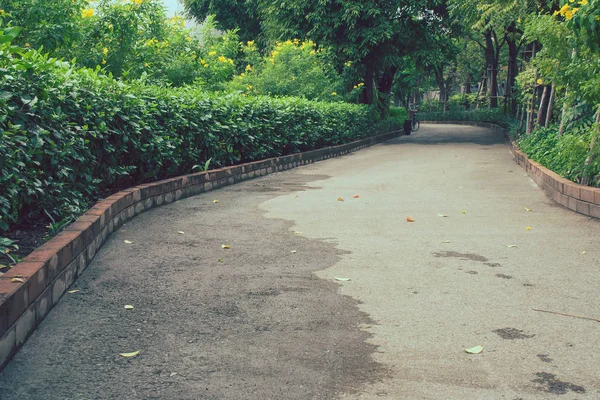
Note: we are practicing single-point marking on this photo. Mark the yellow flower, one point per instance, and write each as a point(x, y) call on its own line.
point(87, 13)
point(251, 43)
point(248, 68)
point(312, 52)
point(146, 65)
point(333, 93)
point(361, 84)
point(222, 59)
point(293, 78)
point(274, 54)
point(205, 65)
point(138, 2)
point(348, 64)
point(230, 61)
point(103, 61)
point(583, 2)
point(105, 51)
point(519, 20)
point(189, 39)
point(212, 53)
point(355, 87)
point(272, 60)
point(540, 81)
point(26, 44)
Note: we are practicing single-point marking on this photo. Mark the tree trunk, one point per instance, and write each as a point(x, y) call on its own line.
point(368, 94)
point(523, 112)
point(563, 116)
point(541, 115)
point(492, 68)
point(510, 105)
point(550, 105)
point(385, 81)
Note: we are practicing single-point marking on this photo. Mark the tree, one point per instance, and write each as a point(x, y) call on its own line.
point(230, 14)
point(372, 36)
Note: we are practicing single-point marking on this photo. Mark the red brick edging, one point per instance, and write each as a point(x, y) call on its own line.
point(53, 267)
point(579, 198)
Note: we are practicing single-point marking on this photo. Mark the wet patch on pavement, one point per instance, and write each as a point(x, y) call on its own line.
point(550, 384)
point(512, 333)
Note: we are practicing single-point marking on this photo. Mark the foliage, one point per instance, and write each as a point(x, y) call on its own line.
point(231, 14)
point(6, 247)
point(69, 134)
point(292, 68)
point(491, 115)
point(564, 154)
point(372, 36)
point(51, 24)
point(130, 39)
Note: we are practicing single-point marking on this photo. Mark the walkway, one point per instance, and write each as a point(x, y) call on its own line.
point(267, 318)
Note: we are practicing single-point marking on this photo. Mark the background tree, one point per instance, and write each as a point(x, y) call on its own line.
point(373, 36)
point(230, 14)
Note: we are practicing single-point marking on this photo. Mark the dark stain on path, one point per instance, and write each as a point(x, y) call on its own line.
point(258, 325)
point(462, 256)
point(512, 333)
point(550, 384)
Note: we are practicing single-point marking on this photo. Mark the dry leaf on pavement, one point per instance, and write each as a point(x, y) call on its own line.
point(474, 350)
point(130, 355)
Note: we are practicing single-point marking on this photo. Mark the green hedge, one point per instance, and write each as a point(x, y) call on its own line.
point(69, 136)
point(491, 115)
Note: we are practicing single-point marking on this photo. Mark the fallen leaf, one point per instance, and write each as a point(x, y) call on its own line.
point(474, 350)
point(298, 233)
point(583, 252)
point(73, 291)
point(129, 307)
point(215, 201)
point(464, 211)
point(225, 246)
point(130, 355)
point(511, 246)
point(294, 251)
point(446, 241)
point(2, 266)
point(410, 219)
point(220, 260)
point(17, 280)
point(356, 197)
point(442, 215)
point(527, 209)
point(340, 199)
point(342, 279)
point(181, 232)
point(128, 241)
point(19, 276)
point(528, 228)
point(173, 374)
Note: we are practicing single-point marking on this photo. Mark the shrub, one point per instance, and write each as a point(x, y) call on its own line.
point(70, 135)
point(491, 115)
point(292, 68)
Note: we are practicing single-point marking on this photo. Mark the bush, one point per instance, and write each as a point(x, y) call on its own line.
point(70, 135)
point(565, 155)
point(491, 115)
point(292, 68)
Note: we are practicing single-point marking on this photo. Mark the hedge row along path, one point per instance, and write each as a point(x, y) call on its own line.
point(266, 318)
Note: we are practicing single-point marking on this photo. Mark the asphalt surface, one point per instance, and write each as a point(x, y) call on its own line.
point(275, 316)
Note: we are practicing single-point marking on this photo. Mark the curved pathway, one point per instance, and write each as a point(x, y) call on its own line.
point(267, 318)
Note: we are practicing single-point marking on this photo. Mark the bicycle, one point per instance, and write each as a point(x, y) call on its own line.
point(414, 121)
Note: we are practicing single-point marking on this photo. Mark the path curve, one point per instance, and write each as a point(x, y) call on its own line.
point(267, 319)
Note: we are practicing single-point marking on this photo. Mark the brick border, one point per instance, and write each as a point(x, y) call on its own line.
point(579, 198)
point(53, 267)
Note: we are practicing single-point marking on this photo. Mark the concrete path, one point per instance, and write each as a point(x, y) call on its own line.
point(267, 319)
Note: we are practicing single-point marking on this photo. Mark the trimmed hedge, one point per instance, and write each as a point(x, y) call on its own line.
point(69, 135)
point(493, 115)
